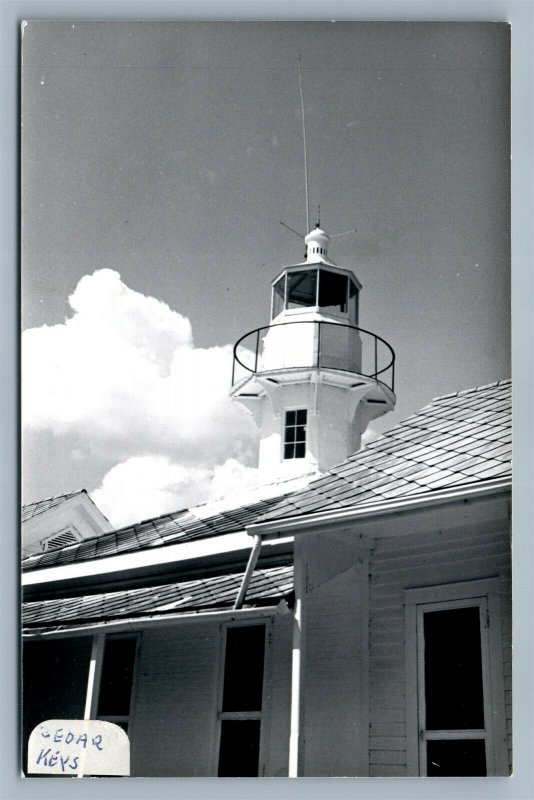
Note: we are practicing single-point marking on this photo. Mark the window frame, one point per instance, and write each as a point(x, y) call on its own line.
point(484, 593)
point(285, 428)
point(262, 715)
point(95, 676)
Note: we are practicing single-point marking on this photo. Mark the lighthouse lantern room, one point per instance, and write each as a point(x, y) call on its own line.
point(312, 378)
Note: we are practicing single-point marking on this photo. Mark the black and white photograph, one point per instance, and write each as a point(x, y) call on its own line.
point(265, 399)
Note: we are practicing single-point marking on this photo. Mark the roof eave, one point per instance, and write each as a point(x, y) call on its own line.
point(158, 621)
point(311, 523)
point(232, 544)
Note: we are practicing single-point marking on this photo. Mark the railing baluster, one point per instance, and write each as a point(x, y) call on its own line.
point(376, 357)
point(257, 348)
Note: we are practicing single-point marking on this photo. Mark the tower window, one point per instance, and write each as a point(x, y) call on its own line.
point(295, 433)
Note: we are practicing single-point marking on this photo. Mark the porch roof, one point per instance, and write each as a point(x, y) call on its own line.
point(267, 586)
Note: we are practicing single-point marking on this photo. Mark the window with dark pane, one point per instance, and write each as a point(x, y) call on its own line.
point(333, 292)
point(54, 682)
point(239, 751)
point(295, 433)
point(279, 289)
point(302, 289)
point(117, 676)
point(243, 668)
point(454, 696)
point(452, 758)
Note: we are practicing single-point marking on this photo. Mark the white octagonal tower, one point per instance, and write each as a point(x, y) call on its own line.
point(312, 378)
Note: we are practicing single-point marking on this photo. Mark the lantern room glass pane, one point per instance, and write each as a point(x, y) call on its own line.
point(279, 290)
point(353, 302)
point(302, 289)
point(453, 670)
point(332, 292)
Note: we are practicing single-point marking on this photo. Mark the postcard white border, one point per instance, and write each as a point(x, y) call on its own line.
point(520, 13)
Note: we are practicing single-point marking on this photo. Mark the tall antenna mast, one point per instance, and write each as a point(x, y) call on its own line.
point(304, 141)
point(318, 225)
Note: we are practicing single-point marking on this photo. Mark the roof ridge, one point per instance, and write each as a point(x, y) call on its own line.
point(64, 495)
point(472, 390)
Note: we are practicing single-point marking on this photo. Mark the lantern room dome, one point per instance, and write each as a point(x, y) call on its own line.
point(317, 242)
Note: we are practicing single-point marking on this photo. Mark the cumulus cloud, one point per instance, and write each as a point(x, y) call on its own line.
point(122, 374)
point(147, 486)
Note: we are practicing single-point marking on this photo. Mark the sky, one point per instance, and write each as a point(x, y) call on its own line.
point(157, 162)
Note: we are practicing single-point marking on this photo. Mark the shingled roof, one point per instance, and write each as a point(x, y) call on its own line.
point(31, 510)
point(211, 593)
point(457, 439)
point(181, 526)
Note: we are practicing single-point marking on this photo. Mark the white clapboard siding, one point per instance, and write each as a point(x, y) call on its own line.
point(275, 726)
point(387, 770)
point(334, 721)
point(178, 682)
point(174, 726)
point(428, 558)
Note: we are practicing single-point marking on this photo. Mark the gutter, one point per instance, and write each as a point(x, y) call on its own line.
point(230, 543)
point(309, 523)
point(160, 621)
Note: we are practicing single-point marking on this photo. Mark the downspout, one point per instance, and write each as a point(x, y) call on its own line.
point(254, 553)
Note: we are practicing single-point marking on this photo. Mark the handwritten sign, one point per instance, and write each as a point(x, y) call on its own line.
point(78, 747)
